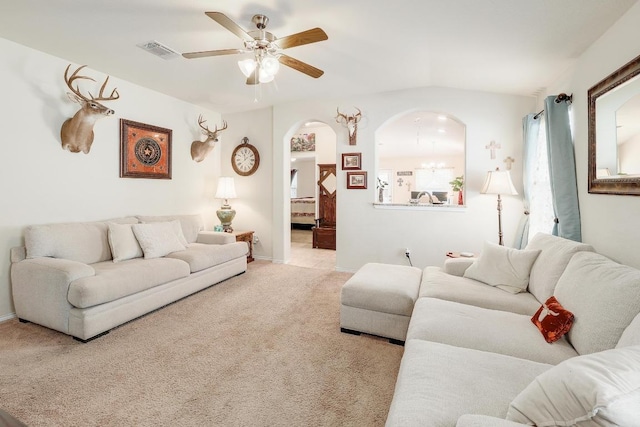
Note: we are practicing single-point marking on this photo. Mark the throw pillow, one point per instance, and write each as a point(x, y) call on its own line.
point(504, 268)
point(599, 389)
point(157, 239)
point(552, 320)
point(603, 295)
point(123, 242)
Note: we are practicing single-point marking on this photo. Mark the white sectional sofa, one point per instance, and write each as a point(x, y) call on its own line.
point(84, 279)
point(473, 357)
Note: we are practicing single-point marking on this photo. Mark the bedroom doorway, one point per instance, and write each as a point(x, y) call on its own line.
point(312, 144)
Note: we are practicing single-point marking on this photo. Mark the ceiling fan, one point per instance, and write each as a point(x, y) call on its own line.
point(266, 47)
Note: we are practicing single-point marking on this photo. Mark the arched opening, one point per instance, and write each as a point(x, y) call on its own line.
point(421, 159)
point(312, 147)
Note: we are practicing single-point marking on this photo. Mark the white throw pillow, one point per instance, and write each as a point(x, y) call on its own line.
point(599, 389)
point(504, 268)
point(123, 242)
point(157, 239)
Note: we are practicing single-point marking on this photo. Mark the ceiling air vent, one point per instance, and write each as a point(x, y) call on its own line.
point(158, 49)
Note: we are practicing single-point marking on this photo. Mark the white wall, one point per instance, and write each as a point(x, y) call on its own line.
point(609, 223)
point(629, 154)
point(306, 177)
point(366, 234)
point(41, 183)
point(254, 205)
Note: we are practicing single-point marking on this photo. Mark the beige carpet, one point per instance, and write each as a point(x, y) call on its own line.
point(263, 348)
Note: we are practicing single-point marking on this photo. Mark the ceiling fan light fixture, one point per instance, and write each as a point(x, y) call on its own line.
point(247, 66)
point(264, 76)
point(270, 65)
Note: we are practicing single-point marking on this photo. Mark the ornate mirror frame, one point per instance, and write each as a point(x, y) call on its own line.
point(616, 184)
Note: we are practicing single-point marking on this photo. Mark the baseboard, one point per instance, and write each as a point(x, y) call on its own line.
point(6, 317)
point(344, 270)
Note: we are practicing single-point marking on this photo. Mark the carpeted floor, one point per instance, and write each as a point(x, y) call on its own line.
point(263, 348)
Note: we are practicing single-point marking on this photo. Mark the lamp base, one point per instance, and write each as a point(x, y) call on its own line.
point(225, 215)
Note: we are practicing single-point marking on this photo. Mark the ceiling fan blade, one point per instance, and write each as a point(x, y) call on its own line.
point(226, 22)
point(205, 53)
point(305, 37)
point(300, 66)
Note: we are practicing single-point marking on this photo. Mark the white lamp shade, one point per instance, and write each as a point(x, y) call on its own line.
point(226, 188)
point(264, 76)
point(247, 66)
point(270, 65)
point(498, 182)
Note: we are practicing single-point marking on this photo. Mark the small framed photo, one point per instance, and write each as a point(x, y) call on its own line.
point(145, 151)
point(351, 161)
point(357, 180)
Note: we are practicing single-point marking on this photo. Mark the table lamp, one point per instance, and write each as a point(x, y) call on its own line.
point(499, 182)
point(226, 190)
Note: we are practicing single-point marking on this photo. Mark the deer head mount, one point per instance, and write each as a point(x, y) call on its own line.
point(351, 122)
point(77, 132)
point(201, 149)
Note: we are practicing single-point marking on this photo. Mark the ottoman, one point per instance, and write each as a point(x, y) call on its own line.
point(378, 300)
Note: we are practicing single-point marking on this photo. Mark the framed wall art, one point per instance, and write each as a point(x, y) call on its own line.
point(145, 151)
point(351, 161)
point(357, 180)
point(304, 142)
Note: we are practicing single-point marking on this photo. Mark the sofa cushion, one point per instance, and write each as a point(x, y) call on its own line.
point(116, 280)
point(77, 241)
point(438, 284)
point(631, 335)
point(123, 242)
point(597, 389)
point(438, 383)
point(552, 320)
point(479, 328)
point(200, 256)
point(550, 264)
point(504, 268)
point(157, 239)
point(603, 295)
point(191, 224)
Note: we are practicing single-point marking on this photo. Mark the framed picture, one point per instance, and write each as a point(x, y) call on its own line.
point(145, 151)
point(351, 161)
point(357, 180)
point(305, 142)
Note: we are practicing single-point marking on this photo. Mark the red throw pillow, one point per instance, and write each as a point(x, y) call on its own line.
point(552, 320)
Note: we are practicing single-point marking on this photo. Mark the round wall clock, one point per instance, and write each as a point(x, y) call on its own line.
point(245, 158)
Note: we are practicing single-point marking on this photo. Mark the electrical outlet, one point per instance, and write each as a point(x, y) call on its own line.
point(407, 252)
point(255, 239)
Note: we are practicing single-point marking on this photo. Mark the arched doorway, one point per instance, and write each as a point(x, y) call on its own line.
point(312, 145)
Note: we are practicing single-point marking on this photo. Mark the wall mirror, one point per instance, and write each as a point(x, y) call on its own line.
point(419, 154)
point(614, 132)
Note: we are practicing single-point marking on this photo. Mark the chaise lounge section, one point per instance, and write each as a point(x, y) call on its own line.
point(474, 357)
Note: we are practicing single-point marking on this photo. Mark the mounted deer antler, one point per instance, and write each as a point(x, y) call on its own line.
point(201, 149)
point(351, 122)
point(77, 132)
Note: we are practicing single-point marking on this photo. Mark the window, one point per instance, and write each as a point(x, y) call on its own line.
point(540, 203)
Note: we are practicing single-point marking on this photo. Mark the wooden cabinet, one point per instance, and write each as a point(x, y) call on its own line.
point(324, 233)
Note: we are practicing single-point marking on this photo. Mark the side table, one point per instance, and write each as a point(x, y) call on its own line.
point(245, 236)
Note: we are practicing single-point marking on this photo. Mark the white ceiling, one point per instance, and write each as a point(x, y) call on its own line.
point(503, 46)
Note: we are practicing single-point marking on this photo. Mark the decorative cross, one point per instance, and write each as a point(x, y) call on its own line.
point(509, 161)
point(493, 147)
point(400, 181)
